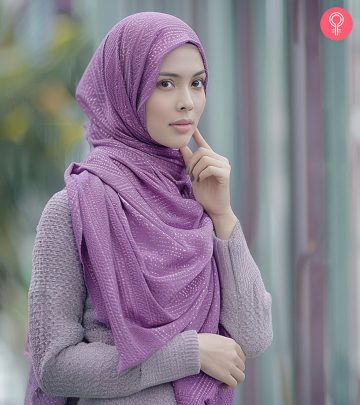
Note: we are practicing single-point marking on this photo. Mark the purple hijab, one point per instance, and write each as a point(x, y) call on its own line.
point(145, 243)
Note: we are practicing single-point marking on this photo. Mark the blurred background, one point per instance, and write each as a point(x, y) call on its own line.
point(283, 105)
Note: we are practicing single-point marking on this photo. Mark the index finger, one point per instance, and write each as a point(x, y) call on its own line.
point(199, 139)
point(186, 154)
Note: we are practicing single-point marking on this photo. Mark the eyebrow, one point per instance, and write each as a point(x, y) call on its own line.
point(176, 75)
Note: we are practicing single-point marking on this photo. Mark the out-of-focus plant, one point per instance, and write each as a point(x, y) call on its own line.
point(40, 122)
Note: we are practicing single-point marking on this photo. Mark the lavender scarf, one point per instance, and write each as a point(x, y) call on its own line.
point(144, 241)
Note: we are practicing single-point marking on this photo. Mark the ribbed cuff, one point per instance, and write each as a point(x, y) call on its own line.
point(192, 351)
point(237, 269)
point(222, 254)
point(235, 232)
point(179, 358)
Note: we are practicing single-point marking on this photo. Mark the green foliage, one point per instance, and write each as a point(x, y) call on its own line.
point(40, 123)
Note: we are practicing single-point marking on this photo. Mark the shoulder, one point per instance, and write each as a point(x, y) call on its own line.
point(54, 232)
point(56, 210)
point(58, 200)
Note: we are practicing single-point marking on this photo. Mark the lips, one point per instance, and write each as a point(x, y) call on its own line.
point(182, 122)
point(182, 128)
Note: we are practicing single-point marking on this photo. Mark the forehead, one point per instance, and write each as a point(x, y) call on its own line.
point(186, 56)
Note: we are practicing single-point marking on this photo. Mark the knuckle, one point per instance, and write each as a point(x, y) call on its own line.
point(242, 352)
point(234, 356)
point(232, 383)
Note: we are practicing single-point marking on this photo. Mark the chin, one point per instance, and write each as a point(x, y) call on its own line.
point(180, 145)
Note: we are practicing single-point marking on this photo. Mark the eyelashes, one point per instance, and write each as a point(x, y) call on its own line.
point(159, 84)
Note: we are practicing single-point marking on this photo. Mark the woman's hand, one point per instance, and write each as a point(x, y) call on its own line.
point(222, 358)
point(210, 175)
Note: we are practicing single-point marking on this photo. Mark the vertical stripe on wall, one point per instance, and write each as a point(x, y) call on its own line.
point(309, 180)
point(353, 96)
point(300, 224)
point(247, 152)
point(339, 350)
point(273, 244)
point(316, 202)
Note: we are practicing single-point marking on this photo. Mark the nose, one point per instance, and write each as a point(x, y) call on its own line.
point(185, 101)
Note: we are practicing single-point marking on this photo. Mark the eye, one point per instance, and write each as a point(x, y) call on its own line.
point(202, 81)
point(160, 84)
point(163, 83)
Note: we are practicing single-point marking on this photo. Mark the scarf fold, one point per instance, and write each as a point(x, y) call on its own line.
point(145, 243)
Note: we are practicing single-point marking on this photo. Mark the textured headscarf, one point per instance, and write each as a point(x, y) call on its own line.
point(145, 243)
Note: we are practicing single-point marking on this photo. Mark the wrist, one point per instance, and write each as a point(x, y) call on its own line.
point(200, 351)
point(224, 224)
point(224, 215)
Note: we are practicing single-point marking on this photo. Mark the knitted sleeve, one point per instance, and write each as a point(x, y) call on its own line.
point(64, 364)
point(245, 303)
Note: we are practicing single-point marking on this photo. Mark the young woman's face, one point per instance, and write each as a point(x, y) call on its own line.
point(178, 94)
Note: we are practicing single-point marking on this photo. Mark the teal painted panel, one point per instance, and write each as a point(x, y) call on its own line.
point(340, 346)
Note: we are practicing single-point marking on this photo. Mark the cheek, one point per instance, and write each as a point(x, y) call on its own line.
point(156, 107)
point(201, 101)
point(150, 112)
point(156, 113)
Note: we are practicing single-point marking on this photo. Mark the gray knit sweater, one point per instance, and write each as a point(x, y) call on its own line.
point(75, 355)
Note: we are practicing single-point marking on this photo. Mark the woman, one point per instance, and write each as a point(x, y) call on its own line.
point(129, 258)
